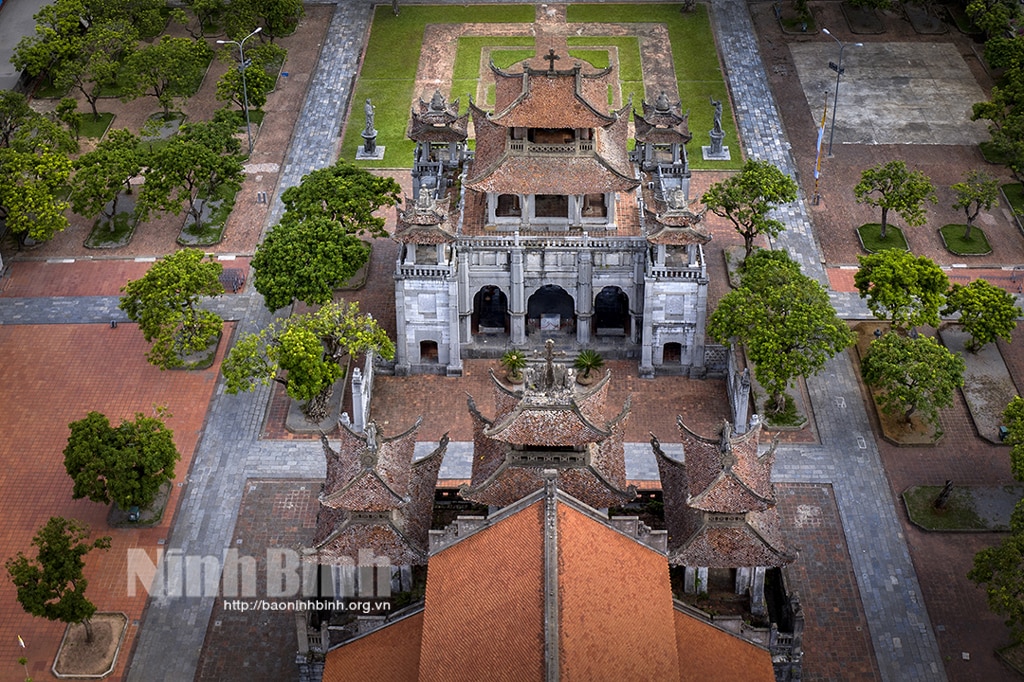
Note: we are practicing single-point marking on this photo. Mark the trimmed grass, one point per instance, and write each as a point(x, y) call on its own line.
point(628, 49)
point(94, 129)
point(695, 58)
point(102, 237)
point(871, 238)
point(992, 154)
point(389, 68)
point(214, 217)
point(598, 59)
point(1014, 194)
point(959, 513)
point(953, 238)
point(505, 59)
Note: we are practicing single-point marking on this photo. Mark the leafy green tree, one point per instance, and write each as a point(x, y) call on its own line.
point(165, 304)
point(66, 112)
point(208, 14)
point(277, 17)
point(906, 289)
point(784, 320)
point(314, 249)
point(892, 187)
point(1013, 419)
point(52, 585)
point(104, 173)
point(26, 130)
point(195, 163)
point(303, 353)
point(986, 312)
point(979, 191)
point(125, 465)
point(59, 27)
point(97, 60)
point(30, 193)
point(915, 374)
point(747, 198)
point(167, 69)
point(258, 82)
point(993, 16)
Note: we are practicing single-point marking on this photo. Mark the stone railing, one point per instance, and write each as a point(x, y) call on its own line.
point(419, 271)
point(526, 148)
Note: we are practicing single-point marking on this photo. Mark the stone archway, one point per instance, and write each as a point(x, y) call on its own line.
point(611, 312)
point(550, 309)
point(490, 311)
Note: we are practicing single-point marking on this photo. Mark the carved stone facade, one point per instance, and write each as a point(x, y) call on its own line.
point(555, 230)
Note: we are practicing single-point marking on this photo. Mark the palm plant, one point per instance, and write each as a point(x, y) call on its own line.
point(588, 361)
point(514, 361)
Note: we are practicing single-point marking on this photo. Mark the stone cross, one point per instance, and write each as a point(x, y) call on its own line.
point(549, 363)
point(551, 57)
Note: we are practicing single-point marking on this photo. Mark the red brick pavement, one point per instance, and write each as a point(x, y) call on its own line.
point(36, 279)
point(50, 376)
point(841, 279)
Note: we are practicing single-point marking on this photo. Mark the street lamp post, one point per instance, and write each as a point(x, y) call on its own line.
point(241, 67)
point(838, 68)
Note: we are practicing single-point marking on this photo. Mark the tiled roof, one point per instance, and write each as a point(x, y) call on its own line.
point(549, 99)
point(726, 474)
point(424, 222)
point(370, 473)
point(438, 121)
point(712, 655)
point(662, 122)
point(347, 538)
point(752, 542)
point(389, 654)
point(484, 617)
point(553, 174)
point(616, 615)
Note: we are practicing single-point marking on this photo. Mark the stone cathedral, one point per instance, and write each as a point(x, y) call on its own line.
point(551, 227)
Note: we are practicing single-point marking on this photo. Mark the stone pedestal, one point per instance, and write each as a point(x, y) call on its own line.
point(370, 149)
point(716, 152)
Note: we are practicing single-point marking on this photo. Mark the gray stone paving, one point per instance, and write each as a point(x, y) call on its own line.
point(171, 638)
point(905, 645)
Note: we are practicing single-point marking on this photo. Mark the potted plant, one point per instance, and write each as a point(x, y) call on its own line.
point(514, 361)
point(587, 362)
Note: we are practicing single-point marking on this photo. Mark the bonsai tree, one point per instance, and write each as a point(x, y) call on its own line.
point(303, 353)
point(784, 320)
point(906, 289)
point(126, 465)
point(52, 585)
point(978, 191)
point(915, 374)
point(165, 304)
point(986, 312)
point(588, 361)
point(747, 198)
point(315, 247)
point(514, 361)
point(892, 187)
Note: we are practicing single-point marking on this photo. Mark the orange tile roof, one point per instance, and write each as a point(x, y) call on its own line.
point(484, 617)
point(549, 100)
point(390, 654)
point(615, 602)
point(707, 654)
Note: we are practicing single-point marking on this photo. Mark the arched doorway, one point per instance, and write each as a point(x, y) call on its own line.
point(611, 312)
point(550, 309)
point(490, 310)
point(672, 354)
point(428, 352)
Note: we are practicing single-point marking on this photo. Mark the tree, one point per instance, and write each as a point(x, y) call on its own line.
point(906, 289)
point(746, 199)
point(207, 13)
point(915, 374)
point(784, 320)
point(986, 312)
point(165, 304)
point(125, 465)
point(26, 130)
point(30, 193)
point(258, 82)
point(1013, 419)
point(195, 162)
point(892, 187)
point(277, 17)
point(52, 585)
point(104, 173)
point(978, 191)
point(992, 16)
point(59, 26)
point(303, 353)
point(314, 248)
point(96, 60)
point(167, 69)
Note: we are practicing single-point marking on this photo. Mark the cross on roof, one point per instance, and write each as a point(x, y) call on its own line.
point(551, 57)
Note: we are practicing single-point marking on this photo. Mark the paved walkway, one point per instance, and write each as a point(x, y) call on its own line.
point(905, 644)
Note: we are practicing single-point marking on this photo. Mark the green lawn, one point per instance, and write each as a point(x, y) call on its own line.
point(392, 57)
point(953, 238)
point(871, 238)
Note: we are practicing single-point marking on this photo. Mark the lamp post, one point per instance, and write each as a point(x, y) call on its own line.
point(838, 68)
point(241, 67)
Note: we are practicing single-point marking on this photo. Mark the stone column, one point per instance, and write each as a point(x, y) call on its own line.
point(465, 298)
point(697, 368)
point(454, 317)
point(517, 296)
point(401, 352)
point(757, 603)
point(584, 293)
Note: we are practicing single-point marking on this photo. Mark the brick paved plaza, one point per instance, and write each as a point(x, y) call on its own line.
point(883, 600)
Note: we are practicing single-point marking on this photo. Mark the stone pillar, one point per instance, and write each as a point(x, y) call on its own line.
point(609, 202)
point(454, 347)
point(584, 293)
point(401, 352)
point(695, 580)
point(697, 368)
point(517, 296)
point(757, 603)
point(743, 579)
point(465, 299)
point(638, 297)
point(358, 408)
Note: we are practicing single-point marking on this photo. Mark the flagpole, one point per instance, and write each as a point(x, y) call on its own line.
point(817, 160)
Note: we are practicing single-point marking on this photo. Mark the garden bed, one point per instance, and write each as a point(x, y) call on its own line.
point(870, 237)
